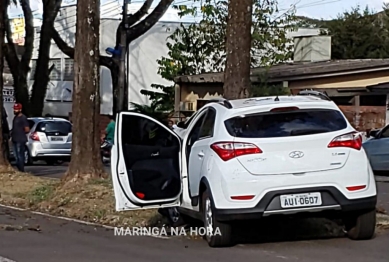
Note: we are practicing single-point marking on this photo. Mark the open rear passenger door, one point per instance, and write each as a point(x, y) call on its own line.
point(145, 163)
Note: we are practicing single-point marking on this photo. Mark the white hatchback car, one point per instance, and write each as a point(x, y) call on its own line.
point(248, 159)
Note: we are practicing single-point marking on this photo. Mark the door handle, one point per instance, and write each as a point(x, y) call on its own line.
point(201, 154)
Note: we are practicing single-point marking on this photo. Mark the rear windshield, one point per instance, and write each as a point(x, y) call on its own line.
point(61, 127)
point(284, 124)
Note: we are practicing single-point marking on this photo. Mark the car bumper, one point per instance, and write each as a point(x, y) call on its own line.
point(332, 201)
point(51, 153)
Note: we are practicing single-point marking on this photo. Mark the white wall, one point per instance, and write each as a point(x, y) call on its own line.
point(143, 55)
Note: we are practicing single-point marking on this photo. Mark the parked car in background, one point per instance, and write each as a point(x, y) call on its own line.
point(377, 148)
point(49, 139)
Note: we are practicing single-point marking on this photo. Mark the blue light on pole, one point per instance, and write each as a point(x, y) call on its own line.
point(113, 51)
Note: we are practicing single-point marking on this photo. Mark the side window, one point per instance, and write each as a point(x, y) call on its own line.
point(385, 133)
point(195, 132)
point(209, 124)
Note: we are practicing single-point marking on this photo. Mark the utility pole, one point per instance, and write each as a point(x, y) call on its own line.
point(122, 61)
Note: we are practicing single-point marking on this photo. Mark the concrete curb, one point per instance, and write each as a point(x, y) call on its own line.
point(58, 217)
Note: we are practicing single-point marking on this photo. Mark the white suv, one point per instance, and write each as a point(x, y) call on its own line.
point(247, 159)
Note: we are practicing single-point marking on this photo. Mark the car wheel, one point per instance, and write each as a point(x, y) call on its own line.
point(217, 234)
point(361, 226)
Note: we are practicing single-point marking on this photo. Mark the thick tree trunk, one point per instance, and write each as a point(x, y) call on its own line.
point(237, 71)
point(42, 72)
point(20, 68)
point(4, 164)
point(22, 90)
point(85, 160)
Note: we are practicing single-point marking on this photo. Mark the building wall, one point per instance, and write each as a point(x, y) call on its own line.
point(369, 117)
point(143, 55)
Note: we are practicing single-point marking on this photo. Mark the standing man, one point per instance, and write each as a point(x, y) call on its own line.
point(20, 129)
point(110, 130)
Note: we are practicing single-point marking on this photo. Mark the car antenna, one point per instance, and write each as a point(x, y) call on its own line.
point(276, 99)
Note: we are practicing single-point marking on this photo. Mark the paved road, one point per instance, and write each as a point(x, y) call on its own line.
point(62, 241)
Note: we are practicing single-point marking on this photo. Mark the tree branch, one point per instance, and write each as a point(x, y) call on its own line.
point(69, 51)
point(62, 45)
point(29, 38)
point(132, 19)
point(142, 27)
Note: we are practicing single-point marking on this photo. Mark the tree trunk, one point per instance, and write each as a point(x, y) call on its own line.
point(22, 90)
point(20, 68)
point(237, 71)
point(85, 159)
point(42, 72)
point(4, 164)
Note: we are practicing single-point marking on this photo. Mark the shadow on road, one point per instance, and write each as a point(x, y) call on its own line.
point(286, 229)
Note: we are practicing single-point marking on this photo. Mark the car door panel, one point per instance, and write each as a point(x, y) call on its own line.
point(146, 166)
point(377, 150)
point(200, 151)
point(196, 162)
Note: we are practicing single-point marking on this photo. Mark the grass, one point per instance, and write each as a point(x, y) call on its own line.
point(91, 201)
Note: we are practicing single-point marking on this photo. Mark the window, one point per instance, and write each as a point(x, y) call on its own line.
point(208, 125)
point(55, 74)
point(69, 70)
point(283, 124)
point(195, 132)
point(61, 127)
point(385, 133)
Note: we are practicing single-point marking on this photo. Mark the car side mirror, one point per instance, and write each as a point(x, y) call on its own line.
point(181, 124)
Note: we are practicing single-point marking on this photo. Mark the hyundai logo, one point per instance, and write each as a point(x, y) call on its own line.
point(296, 154)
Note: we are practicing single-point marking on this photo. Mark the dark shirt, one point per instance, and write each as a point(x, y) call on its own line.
point(18, 129)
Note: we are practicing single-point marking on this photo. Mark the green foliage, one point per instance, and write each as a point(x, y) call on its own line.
point(200, 48)
point(149, 110)
point(359, 34)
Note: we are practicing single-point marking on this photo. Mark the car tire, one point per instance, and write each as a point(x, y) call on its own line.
point(223, 231)
point(361, 226)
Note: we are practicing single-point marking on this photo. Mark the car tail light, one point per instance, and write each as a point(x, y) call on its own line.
point(248, 197)
point(356, 188)
point(351, 140)
point(284, 109)
point(230, 150)
point(34, 136)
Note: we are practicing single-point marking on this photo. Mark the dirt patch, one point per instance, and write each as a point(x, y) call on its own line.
point(94, 201)
point(91, 201)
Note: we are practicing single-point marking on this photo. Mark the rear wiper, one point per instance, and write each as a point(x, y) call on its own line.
point(312, 131)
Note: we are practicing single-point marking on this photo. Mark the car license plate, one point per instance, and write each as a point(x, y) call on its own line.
point(56, 139)
point(301, 200)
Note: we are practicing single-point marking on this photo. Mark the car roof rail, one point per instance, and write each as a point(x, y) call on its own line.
point(322, 95)
point(221, 101)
